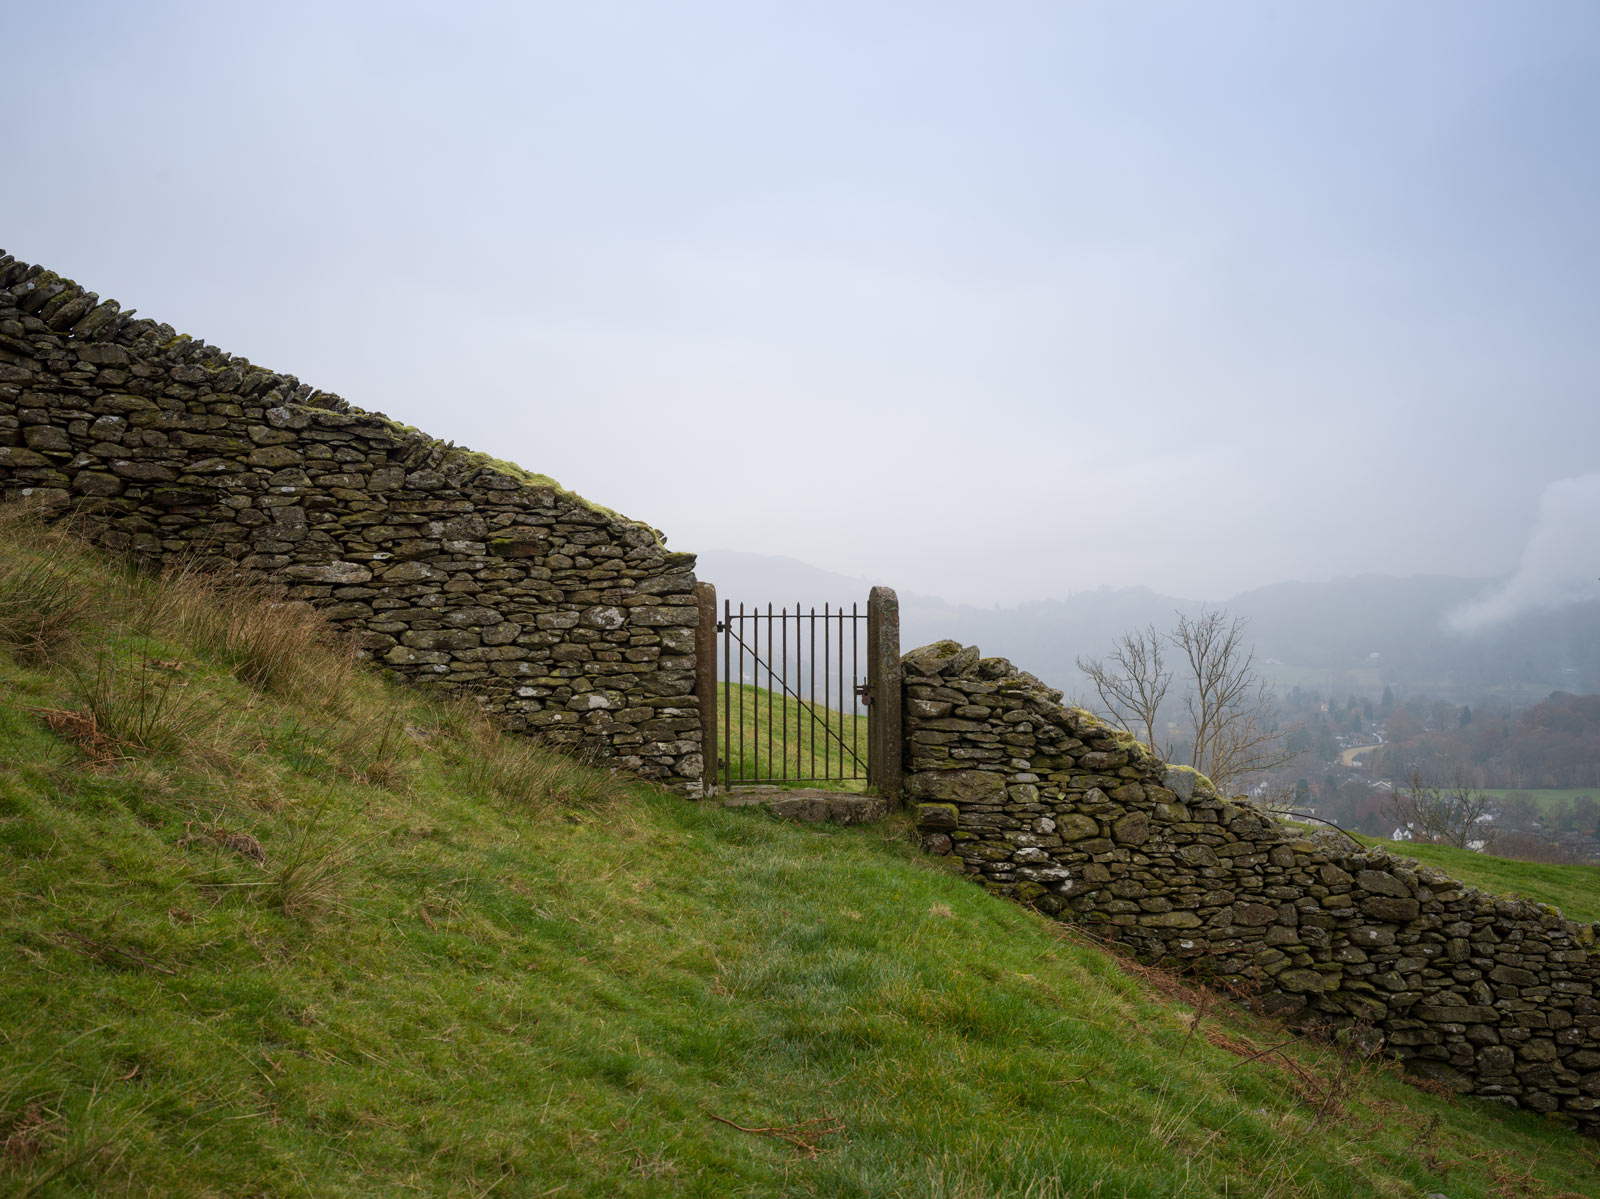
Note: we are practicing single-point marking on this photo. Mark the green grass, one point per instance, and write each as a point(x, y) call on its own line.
point(1546, 797)
point(1573, 889)
point(777, 736)
point(353, 943)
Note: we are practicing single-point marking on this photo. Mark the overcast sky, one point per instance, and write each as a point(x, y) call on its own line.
point(995, 302)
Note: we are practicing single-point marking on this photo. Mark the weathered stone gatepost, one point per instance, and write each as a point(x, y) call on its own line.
point(884, 698)
point(705, 682)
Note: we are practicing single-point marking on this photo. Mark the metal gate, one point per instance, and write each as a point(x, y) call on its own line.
point(807, 696)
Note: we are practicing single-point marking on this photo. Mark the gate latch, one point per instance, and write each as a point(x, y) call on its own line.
point(864, 693)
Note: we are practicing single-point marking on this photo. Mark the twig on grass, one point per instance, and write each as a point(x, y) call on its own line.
point(1507, 1183)
point(101, 950)
point(791, 1133)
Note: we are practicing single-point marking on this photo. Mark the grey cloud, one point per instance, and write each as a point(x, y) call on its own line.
point(1559, 564)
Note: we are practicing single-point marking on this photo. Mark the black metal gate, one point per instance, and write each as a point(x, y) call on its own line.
point(801, 702)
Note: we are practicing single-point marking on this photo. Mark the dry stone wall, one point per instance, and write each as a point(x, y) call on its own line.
point(562, 619)
point(1046, 804)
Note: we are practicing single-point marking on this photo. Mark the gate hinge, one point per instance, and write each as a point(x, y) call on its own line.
point(721, 627)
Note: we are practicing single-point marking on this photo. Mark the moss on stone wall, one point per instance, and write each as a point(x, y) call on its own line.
point(1050, 806)
point(448, 566)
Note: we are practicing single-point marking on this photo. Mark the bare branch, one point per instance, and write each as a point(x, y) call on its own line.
point(1449, 814)
point(1231, 708)
point(1132, 682)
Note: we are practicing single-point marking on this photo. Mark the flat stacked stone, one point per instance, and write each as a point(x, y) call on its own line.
point(559, 618)
point(1046, 804)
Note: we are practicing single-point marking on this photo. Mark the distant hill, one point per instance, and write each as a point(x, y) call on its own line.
point(1334, 628)
point(1320, 635)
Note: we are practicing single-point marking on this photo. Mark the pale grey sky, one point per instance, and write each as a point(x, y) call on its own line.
point(993, 302)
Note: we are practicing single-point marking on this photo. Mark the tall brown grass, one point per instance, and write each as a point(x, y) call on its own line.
point(129, 699)
point(49, 596)
point(519, 771)
point(284, 648)
point(139, 703)
point(46, 600)
point(308, 883)
point(377, 748)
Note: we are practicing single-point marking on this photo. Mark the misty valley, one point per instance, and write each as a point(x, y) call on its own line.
point(1373, 690)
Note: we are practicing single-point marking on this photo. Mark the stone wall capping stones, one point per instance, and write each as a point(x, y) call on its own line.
point(448, 567)
point(1490, 995)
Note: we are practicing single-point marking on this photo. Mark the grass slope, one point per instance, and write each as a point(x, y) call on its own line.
point(774, 736)
point(1548, 798)
point(1573, 889)
point(271, 927)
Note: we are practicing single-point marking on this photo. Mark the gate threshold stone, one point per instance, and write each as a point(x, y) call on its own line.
point(810, 806)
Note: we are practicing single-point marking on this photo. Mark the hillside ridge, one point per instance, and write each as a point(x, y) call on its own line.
point(337, 938)
point(453, 569)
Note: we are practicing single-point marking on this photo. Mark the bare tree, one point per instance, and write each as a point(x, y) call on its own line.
point(1450, 814)
point(1231, 709)
point(1132, 682)
point(1278, 798)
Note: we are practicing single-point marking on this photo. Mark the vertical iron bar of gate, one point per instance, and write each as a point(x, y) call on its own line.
point(775, 674)
point(770, 738)
point(841, 691)
point(855, 696)
point(755, 688)
point(757, 693)
point(783, 628)
point(768, 660)
point(827, 683)
point(742, 772)
point(750, 750)
point(727, 693)
point(811, 708)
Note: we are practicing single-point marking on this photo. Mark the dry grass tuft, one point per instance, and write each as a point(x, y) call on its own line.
point(284, 648)
point(140, 703)
point(379, 751)
point(45, 601)
point(81, 730)
point(308, 885)
point(454, 719)
point(25, 1135)
point(111, 954)
point(519, 771)
point(946, 1178)
point(242, 844)
point(1431, 1086)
